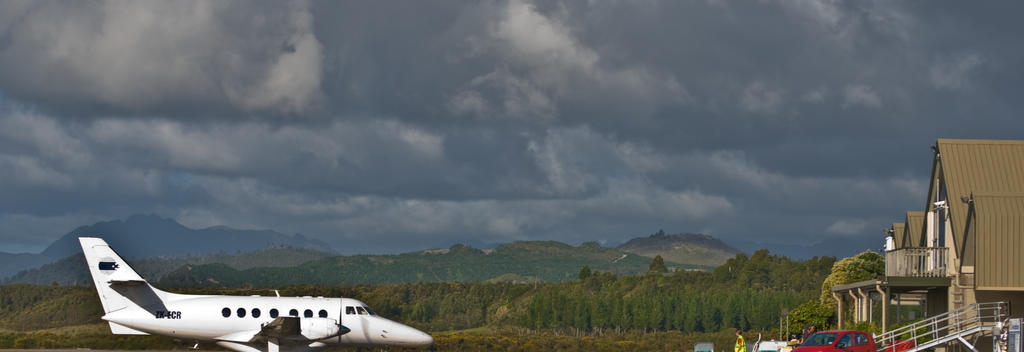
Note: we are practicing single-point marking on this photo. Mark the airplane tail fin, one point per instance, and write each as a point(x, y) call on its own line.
point(118, 285)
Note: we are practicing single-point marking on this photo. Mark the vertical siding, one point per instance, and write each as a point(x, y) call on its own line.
point(983, 167)
point(899, 235)
point(915, 228)
point(1000, 241)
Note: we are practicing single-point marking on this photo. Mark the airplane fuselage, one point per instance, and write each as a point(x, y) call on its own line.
point(240, 323)
point(206, 318)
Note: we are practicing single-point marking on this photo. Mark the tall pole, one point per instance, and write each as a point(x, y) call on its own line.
point(856, 306)
point(839, 310)
point(785, 312)
point(885, 306)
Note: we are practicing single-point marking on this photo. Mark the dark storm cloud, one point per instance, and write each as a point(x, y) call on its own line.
point(145, 58)
point(425, 123)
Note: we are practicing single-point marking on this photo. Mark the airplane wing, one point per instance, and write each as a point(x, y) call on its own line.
point(305, 329)
point(246, 336)
point(282, 328)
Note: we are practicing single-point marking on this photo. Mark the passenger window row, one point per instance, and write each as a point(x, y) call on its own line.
point(255, 312)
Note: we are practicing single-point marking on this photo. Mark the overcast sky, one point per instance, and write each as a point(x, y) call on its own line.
point(388, 126)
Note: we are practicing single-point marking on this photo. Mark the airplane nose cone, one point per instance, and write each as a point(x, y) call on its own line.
point(423, 340)
point(409, 336)
point(413, 337)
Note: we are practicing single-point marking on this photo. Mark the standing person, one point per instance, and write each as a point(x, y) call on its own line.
point(741, 346)
point(808, 331)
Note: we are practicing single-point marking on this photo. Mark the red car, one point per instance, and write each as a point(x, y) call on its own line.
point(838, 341)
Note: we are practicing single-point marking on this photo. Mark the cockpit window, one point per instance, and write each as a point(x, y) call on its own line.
point(369, 311)
point(350, 310)
point(361, 310)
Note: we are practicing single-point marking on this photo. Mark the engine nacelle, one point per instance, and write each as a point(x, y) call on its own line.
point(319, 328)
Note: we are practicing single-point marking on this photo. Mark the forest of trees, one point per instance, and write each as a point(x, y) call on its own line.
point(745, 293)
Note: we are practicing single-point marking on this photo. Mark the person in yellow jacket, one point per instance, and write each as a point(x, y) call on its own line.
point(741, 346)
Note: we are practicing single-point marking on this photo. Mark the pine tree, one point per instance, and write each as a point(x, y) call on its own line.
point(584, 273)
point(658, 265)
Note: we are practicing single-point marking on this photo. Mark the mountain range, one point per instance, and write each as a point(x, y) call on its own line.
point(142, 236)
point(521, 262)
point(73, 270)
point(166, 251)
point(151, 235)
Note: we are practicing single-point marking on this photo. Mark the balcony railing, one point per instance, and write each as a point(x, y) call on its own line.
point(917, 262)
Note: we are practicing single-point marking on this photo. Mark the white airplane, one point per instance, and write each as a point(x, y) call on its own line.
point(245, 324)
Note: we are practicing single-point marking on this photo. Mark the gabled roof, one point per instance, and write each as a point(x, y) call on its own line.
point(914, 235)
point(1000, 236)
point(971, 166)
point(898, 232)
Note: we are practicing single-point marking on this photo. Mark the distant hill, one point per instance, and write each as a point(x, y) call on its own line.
point(13, 263)
point(72, 270)
point(165, 251)
point(142, 236)
point(693, 249)
point(516, 262)
point(146, 236)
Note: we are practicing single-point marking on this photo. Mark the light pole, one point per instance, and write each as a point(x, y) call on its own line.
point(785, 313)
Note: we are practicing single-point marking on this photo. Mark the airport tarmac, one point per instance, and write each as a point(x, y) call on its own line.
point(89, 350)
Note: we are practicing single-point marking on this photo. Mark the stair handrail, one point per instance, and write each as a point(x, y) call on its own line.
point(948, 325)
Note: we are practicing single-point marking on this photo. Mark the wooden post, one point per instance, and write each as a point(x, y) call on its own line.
point(839, 310)
point(856, 306)
point(865, 304)
point(885, 306)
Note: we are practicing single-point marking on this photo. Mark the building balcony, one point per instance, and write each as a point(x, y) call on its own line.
point(917, 262)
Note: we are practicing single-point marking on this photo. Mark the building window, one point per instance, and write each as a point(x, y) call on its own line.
point(293, 313)
point(322, 313)
point(226, 312)
point(273, 313)
point(241, 312)
point(255, 312)
point(308, 313)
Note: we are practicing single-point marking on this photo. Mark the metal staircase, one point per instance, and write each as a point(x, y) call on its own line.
point(978, 318)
